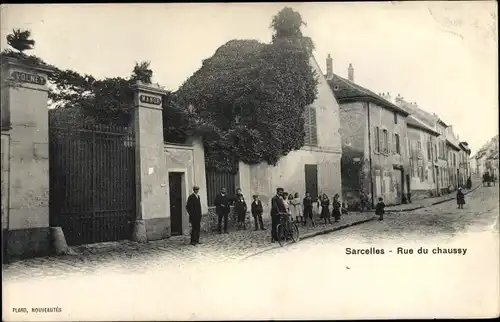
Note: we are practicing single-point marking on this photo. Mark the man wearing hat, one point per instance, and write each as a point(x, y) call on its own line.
point(193, 207)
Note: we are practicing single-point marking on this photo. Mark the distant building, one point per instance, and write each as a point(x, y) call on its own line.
point(464, 163)
point(485, 157)
point(374, 151)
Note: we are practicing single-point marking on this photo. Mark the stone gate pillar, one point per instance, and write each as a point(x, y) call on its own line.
point(152, 219)
point(25, 94)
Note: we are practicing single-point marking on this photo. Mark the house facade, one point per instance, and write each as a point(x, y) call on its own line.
point(374, 151)
point(421, 139)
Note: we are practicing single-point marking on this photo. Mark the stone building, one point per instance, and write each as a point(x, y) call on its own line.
point(374, 134)
point(484, 161)
point(438, 148)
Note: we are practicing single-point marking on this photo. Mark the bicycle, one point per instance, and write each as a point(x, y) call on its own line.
point(286, 230)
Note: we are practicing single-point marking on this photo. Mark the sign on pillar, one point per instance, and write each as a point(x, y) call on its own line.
point(152, 220)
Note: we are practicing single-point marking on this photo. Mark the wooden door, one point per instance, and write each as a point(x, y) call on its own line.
point(311, 177)
point(176, 202)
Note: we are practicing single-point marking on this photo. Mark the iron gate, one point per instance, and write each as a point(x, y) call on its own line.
point(92, 182)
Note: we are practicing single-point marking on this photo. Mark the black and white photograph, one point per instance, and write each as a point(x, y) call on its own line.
point(249, 161)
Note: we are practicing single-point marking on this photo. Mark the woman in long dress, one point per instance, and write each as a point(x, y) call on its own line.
point(325, 211)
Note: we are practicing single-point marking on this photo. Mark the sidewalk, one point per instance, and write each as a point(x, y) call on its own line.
point(427, 202)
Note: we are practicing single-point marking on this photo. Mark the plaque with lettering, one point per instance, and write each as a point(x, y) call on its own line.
point(150, 99)
point(29, 78)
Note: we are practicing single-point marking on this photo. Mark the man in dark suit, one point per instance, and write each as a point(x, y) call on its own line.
point(277, 206)
point(222, 202)
point(193, 207)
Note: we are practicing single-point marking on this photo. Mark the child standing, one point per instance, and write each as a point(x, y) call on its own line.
point(240, 207)
point(286, 202)
point(460, 198)
point(257, 210)
point(308, 209)
point(380, 209)
point(297, 208)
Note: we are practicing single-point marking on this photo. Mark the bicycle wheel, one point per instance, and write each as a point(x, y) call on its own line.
point(281, 235)
point(295, 232)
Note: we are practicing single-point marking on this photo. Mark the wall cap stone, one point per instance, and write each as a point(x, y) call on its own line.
point(19, 63)
point(149, 88)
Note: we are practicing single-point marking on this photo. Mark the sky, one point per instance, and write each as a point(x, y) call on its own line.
point(441, 55)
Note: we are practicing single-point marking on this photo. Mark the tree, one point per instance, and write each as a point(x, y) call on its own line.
point(142, 72)
point(106, 101)
point(250, 97)
point(20, 40)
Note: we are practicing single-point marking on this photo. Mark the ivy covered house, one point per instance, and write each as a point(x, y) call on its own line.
point(256, 138)
point(374, 151)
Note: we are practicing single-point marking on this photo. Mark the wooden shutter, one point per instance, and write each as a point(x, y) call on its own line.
point(313, 126)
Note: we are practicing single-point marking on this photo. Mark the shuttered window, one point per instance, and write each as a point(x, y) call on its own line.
point(397, 148)
point(385, 141)
point(311, 129)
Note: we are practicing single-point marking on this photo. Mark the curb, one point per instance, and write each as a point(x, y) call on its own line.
point(432, 204)
point(311, 235)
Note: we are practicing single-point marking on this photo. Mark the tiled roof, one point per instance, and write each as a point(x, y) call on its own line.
point(347, 91)
point(415, 122)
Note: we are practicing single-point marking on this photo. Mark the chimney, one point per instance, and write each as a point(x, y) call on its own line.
point(329, 67)
point(388, 97)
point(350, 73)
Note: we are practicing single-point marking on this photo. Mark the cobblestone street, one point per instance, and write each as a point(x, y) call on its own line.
point(134, 280)
point(131, 256)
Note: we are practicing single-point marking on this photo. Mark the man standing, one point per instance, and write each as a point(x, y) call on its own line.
point(308, 209)
point(277, 206)
point(222, 209)
point(193, 207)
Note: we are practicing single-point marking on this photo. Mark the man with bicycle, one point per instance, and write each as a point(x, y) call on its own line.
point(277, 207)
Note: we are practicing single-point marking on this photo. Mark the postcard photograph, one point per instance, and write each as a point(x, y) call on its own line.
point(249, 161)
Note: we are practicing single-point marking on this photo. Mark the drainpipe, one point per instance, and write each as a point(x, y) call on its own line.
point(370, 153)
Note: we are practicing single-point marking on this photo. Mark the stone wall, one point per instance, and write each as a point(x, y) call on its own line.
point(354, 123)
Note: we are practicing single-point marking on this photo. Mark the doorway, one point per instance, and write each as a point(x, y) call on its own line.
point(175, 185)
point(311, 177)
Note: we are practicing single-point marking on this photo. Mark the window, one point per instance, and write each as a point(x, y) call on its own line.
point(433, 175)
point(412, 169)
point(419, 148)
point(396, 143)
point(377, 139)
point(311, 135)
point(435, 152)
point(429, 152)
point(421, 170)
point(386, 141)
point(395, 118)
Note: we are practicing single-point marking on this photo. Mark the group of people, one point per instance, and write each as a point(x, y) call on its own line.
point(299, 210)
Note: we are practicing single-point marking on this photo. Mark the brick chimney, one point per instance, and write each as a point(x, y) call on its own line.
point(329, 67)
point(350, 73)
